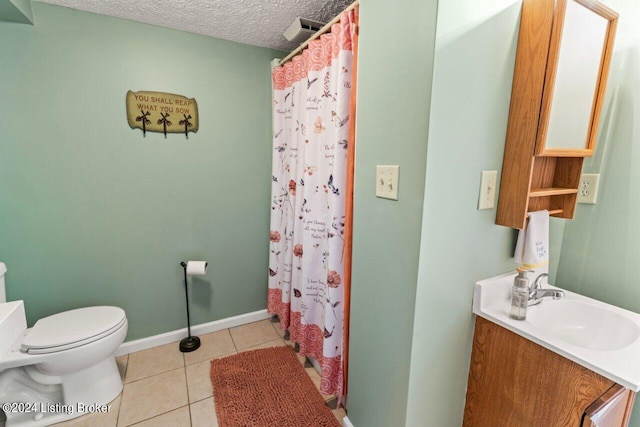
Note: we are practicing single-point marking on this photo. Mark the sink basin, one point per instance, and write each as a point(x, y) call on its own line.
point(585, 325)
point(598, 336)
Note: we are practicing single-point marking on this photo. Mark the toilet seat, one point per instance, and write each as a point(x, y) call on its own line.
point(73, 328)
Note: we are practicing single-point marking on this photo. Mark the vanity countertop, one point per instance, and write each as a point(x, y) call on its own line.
point(611, 347)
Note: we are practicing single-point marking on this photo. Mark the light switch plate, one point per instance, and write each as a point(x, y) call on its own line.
point(487, 196)
point(387, 179)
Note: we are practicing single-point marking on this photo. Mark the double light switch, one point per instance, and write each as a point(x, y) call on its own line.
point(387, 181)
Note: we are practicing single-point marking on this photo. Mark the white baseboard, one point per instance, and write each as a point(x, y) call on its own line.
point(346, 422)
point(204, 328)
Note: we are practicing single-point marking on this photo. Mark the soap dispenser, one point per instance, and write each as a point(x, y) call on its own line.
point(520, 295)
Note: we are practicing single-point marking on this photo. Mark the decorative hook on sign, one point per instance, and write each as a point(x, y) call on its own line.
point(187, 124)
point(164, 122)
point(144, 120)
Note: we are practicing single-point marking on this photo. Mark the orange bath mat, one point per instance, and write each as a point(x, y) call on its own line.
point(267, 388)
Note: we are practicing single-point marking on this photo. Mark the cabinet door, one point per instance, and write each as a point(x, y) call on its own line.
point(577, 69)
point(612, 409)
point(515, 382)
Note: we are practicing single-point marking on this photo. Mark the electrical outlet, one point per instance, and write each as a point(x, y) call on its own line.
point(387, 181)
point(588, 188)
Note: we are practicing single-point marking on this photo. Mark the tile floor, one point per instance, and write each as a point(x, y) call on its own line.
point(164, 387)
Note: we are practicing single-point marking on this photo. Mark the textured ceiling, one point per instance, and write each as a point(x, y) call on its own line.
point(255, 22)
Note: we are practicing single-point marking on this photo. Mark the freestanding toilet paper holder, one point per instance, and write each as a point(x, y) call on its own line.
point(189, 343)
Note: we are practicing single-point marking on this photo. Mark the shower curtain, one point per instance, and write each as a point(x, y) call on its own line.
point(312, 119)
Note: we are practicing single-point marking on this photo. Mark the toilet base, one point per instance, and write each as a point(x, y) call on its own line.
point(79, 393)
point(98, 384)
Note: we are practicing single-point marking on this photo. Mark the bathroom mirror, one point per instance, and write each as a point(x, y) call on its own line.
point(577, 68)
point(597, 253)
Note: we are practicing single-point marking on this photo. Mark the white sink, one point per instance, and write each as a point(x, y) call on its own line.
point(585, 325)
point(596, 335)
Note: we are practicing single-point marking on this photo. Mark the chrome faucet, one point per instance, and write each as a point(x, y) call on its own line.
point(536, 293)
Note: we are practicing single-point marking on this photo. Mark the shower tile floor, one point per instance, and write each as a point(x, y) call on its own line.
point(164, 387)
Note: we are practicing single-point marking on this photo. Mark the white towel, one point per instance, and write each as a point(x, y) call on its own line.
point(532, 248)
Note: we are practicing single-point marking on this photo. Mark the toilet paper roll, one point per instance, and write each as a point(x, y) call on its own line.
point(196, 268)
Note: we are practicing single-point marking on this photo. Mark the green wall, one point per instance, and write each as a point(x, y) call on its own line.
point(93, 213)
point(474, 59)
point(394, 90)
point(600, 250)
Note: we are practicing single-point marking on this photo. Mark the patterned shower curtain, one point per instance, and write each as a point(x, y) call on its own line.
point(311, 108)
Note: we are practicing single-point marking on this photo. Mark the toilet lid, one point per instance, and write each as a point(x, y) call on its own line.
point(72, 328)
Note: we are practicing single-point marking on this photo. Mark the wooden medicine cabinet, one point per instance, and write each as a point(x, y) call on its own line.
point(562, 63)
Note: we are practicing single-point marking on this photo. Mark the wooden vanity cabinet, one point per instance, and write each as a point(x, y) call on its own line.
point(516, 383)
point(562, 62)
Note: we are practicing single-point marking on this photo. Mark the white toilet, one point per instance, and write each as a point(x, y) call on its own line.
point(64, 366)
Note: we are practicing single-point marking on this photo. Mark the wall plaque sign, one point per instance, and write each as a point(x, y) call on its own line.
point(162, 112)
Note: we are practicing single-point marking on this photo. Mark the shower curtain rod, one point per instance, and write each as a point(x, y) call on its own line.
point(320, 32)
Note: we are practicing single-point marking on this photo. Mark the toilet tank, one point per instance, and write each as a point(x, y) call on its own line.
point(13, 323)
point(3, 294)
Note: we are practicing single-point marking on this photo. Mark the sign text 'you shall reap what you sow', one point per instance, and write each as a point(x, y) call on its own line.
point(162, 112)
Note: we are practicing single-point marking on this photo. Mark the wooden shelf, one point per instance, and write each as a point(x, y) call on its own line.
point(552, 191)
point(552, 185)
